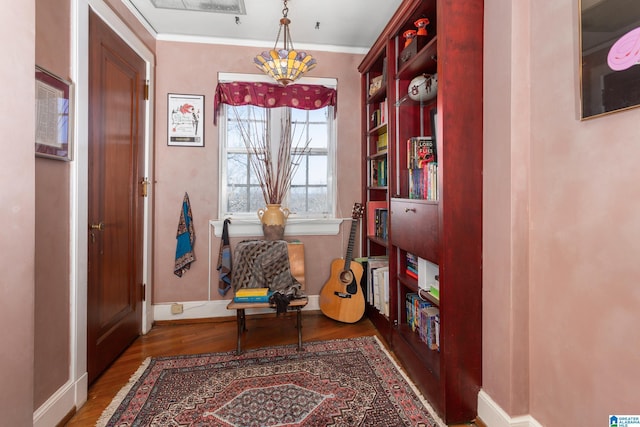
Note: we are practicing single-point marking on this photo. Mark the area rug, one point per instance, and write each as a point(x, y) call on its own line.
point(348, 382)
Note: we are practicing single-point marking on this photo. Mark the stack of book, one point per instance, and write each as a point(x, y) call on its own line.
point(383, 141)
point(379, 172)
point(422, 163)
point(377, 218)
point(378, 283)
point(252, 295)
point(429, 328)
point(413, 305)
point(412, 265)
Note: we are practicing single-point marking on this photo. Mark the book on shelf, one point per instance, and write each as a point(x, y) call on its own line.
point(437, 326)
point(383, 142)
point(385, 280)
point(412, 265)
point(379, 172)
point(428, 331)
point(411, 269)
point(422, 162)
point(381, 289)
point(382, 172)
point(412, 259)
point(372, 209)
point(373, 179)
point(423, 182)
point(378, 116)
point(373, 289)
point(420, 151)
point(409, 304)
point(381, 216)
point(413, 304)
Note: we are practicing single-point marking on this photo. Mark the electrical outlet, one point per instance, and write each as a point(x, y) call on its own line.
point(177, 308)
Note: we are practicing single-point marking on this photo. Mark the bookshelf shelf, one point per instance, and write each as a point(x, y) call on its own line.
point(378, 155)
point(429, 151)
point(377, 240)
point(430, 297)
point(378, 96)
point(378, 130)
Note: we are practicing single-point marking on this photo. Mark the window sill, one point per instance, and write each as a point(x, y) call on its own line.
point(294, 227)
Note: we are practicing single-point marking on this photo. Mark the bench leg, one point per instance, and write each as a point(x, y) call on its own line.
point(299, 321)
point(240, 320)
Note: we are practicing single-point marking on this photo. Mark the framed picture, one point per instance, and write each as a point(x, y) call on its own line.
point(185, 127)
point(53, 116)
point(609, 38)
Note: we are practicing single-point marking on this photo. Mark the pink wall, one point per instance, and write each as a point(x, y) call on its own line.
point(192, 68)
point(52, 252)
point(17, 214)
point(563, 283)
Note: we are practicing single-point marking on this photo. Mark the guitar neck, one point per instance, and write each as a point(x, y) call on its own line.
point(352, 237)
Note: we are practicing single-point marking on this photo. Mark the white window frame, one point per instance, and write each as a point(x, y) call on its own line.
point(247, 224)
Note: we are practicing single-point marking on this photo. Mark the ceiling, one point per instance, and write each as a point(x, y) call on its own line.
point(350, 26)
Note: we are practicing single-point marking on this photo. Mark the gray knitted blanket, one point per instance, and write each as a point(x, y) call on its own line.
point(264, 264)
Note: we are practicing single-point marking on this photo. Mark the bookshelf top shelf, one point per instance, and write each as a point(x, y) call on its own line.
point(425, 61)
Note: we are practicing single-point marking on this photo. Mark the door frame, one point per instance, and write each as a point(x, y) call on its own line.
point(79, 178)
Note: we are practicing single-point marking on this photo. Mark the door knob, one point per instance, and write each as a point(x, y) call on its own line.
point(99, 226)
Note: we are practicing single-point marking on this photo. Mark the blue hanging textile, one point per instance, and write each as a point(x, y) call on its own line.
point(224, 261)
point(185, 239)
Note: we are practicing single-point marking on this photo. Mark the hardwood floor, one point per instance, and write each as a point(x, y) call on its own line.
point(205, 336)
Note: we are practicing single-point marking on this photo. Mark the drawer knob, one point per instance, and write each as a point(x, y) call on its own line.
point(410, 210)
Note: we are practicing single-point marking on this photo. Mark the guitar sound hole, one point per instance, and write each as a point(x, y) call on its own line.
point(346, 277)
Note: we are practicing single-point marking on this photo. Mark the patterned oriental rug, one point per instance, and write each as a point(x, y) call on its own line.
point(349, 382)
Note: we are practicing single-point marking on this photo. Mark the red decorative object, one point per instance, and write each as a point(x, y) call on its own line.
point(421, 24)
point(268, 95)
point(408, 36)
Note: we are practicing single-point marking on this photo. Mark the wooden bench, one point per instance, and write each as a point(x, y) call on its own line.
point(296, 262)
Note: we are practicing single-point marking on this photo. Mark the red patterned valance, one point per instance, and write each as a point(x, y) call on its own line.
point(267, 95)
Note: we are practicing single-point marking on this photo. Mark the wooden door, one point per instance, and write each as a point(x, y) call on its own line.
point(116, 141)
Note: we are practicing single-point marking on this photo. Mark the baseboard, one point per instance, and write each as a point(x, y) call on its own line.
point(71, 395)
point(493, 415)
point(208, 309)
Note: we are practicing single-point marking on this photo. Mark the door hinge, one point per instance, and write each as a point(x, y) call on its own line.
point(144, 187)
point(146, 90)
point(144, 291)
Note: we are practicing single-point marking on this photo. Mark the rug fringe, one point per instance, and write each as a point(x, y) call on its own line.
point(119, 397)
point(415, 389)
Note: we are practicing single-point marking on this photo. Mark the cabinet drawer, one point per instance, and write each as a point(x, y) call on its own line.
point(414, 228)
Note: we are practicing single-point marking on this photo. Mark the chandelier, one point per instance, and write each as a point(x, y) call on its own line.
point(284, 65)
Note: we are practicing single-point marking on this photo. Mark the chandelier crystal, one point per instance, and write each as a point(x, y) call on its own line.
point(284, 65)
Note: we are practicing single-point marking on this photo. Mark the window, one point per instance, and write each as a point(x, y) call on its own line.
point(312, 193)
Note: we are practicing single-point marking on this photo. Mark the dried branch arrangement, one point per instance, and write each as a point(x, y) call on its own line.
point(273, 171)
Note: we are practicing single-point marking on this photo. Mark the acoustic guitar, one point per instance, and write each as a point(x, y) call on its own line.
point(341, 296)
